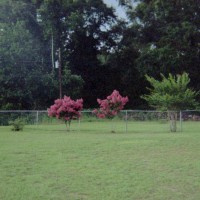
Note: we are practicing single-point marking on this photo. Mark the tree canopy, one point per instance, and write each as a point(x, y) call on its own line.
point(171, 93)
point(168, 36)
point(99, 52)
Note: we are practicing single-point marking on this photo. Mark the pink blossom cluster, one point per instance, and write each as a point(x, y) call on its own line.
point(110, 106)
point(66, 109)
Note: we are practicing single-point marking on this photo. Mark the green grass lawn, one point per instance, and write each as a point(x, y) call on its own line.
point(91, 163)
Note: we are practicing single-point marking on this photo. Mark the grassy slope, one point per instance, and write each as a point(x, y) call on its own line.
point(46, 162)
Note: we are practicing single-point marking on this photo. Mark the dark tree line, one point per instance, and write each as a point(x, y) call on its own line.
point(99, 52)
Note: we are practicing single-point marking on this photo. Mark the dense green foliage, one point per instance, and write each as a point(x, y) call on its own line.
point(167, 36)
point(26, 76)
point(171, 93)
point(99, 52)
point(17, 124)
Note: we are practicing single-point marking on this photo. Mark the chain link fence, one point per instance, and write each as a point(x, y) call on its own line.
point(125, 121)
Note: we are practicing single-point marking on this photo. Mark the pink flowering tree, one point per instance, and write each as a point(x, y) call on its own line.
point(110, 106)
point(66, 109)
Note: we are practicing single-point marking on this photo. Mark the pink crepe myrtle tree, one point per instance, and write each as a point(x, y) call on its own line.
point(66, 109)
point(110, 106)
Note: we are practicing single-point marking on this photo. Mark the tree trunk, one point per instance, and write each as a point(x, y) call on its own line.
point(112, 126)
point(172, 118)
point(68, 123)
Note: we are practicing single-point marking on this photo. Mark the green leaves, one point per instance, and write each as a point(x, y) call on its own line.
point(172, 28)
point(171, 93)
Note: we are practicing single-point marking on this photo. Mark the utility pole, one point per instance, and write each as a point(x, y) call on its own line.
point(52, 51)
point(60, 72)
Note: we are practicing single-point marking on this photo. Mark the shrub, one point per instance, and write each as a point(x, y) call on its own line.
point(66, 109)
point(17, 124)
point(110, 106)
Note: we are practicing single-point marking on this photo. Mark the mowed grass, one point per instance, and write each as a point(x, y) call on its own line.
point(46, 162)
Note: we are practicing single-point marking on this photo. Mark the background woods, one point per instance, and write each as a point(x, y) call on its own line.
point(99, 51)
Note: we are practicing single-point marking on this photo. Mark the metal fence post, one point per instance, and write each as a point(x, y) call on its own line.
point(79, 123)
point(126, 121)
point(37, 117)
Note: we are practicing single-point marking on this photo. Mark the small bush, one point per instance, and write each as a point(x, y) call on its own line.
point(17, 124)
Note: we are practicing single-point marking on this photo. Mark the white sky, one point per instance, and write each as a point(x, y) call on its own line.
point(111, 2)
point(119, 11)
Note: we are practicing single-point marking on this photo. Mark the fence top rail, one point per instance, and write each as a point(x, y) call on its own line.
point(190, 110)
point(90, 111)
point(21, 111)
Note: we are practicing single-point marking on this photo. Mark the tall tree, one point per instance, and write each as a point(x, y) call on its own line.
point(82, 30)
point(19, 50)
point(123, 66)
point(26, 81)
point(167, 33)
